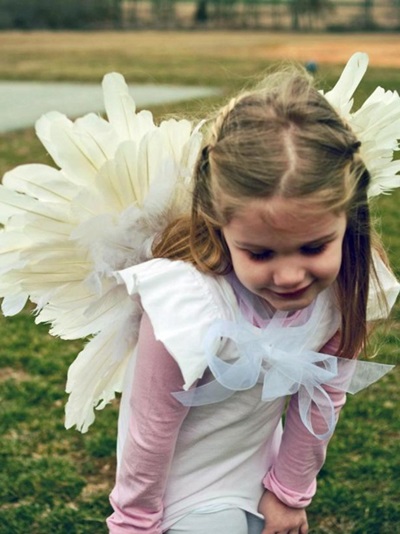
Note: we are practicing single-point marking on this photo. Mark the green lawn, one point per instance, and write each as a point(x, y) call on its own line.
point(57, 481)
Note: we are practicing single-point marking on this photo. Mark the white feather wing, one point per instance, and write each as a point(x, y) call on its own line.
point(376, 124)
point(66, 230)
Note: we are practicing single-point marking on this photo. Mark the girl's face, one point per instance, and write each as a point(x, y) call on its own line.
point(284, 250)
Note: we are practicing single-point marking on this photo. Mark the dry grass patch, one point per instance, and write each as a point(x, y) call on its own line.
point(324, 47)
point(8, 373)
point(186, 55)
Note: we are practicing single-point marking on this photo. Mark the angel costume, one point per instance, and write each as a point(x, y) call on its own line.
point(204, 388)
point(244, 361)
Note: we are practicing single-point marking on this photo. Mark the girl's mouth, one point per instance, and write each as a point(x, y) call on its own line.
point(291, 294)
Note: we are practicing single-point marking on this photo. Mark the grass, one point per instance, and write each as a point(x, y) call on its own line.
point(58, 481)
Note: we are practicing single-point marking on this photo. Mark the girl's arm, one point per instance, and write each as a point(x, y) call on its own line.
point(292, 478)
point(301, 455)
point(156, 417)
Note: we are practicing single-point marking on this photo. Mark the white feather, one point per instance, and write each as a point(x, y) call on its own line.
point(41, 230)
point(41, 182)
point(12, 203)
point(11, 244)
point(129, 185)
point(76, 323)
point(14, 304)
point(341, 94)
point(120, 107)
point(376, 124)
point(94, 376)
point(43, 128)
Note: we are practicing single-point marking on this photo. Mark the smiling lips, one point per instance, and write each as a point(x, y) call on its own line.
point(292, 294)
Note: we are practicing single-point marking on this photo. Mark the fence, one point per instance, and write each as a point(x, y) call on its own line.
point(333, 15)
point(299, 15)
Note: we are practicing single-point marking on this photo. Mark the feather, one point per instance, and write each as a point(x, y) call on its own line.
point(80, 158)
point(12, 203)
point(11, 244)
point(341, 95)
point(129, 185)
point(120, 108)
point(94, 377)
point(76, 311)
point(41, 182)
point(142, 124)
point(376, 124)
point(43, 128)
point(14, 304)
point(79, 148)
point(107, 187)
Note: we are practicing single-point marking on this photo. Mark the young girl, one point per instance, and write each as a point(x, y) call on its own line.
point(264, 293)
point(244, 305)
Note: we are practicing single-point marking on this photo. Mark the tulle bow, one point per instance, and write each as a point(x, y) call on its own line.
point(275, 357)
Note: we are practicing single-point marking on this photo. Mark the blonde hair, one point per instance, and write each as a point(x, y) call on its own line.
point(283, 138)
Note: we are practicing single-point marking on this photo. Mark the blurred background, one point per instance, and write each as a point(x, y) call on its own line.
point(58, 481)
point(330, 15)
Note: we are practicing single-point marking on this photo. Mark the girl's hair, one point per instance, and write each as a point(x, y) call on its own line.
point(283, 138)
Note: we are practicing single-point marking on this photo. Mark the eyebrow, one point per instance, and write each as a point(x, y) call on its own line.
point(320, 240)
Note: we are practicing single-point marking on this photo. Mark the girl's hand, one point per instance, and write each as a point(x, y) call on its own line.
point(280, 518)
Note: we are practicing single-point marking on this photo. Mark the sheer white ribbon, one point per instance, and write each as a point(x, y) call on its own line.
point(276, 356)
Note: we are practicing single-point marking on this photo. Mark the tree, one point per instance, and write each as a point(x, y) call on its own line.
point(201, 13)
point(396, 12)
point(57, 14)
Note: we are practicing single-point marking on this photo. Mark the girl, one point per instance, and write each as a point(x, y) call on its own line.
point(244, 304)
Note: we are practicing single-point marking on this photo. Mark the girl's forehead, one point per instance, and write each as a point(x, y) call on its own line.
point(287, 215)
point(276, 208)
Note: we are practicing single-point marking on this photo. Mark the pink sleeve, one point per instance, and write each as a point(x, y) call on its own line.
point(292, 478)
point(156, 417)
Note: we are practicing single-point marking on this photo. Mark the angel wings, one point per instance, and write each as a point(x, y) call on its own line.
point(66, 230)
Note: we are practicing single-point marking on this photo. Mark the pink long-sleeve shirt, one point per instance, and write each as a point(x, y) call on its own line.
point(137, 497)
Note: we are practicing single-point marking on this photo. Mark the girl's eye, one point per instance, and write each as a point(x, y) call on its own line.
point(260, 256)
point(313, 251)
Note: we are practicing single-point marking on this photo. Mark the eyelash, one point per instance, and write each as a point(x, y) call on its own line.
point(266, 255)
point(313, 251)
point(260, 256)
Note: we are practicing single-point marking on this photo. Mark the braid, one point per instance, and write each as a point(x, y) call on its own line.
point(220, 120)
point(202, 190)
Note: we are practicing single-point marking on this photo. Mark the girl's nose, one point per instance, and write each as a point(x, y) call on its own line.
point(289, 275)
